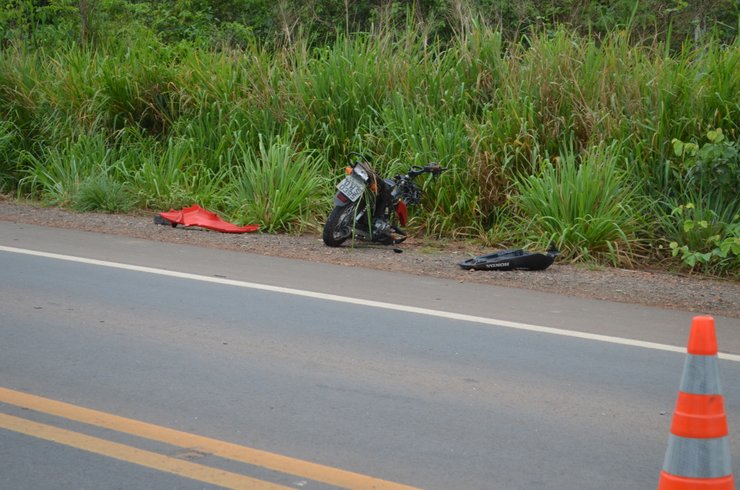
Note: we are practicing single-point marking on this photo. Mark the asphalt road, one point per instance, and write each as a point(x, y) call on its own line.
point(203, 368)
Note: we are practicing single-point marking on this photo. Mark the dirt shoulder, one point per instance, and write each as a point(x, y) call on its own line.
point(652, 288)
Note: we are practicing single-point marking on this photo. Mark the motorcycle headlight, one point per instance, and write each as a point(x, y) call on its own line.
point(361, 172)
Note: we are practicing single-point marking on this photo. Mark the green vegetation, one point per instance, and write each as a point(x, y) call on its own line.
point(587, 205)
point(623, 147)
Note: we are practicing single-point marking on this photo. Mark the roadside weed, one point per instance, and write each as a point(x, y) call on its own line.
point(585, 204)
point(277, 187)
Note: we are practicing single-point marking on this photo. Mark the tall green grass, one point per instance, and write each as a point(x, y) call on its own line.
point(166, 125)
point(277, 187)
point(57, 174)
point(9, 158)
point(587, 205)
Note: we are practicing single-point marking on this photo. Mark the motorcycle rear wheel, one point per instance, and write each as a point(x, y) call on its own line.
point(340, 223)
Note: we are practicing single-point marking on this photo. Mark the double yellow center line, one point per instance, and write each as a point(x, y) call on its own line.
point(283, 464)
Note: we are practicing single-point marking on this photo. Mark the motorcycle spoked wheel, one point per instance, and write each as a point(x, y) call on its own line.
point(340, 224)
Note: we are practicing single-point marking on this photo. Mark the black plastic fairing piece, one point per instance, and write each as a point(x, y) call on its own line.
point(512, 259)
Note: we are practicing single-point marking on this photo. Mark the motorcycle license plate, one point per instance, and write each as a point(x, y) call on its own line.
point(351, 187)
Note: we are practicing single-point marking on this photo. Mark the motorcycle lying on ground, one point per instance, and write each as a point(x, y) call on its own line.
point(371, 208)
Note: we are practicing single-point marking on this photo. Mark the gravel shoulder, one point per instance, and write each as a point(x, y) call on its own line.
point(420, 257)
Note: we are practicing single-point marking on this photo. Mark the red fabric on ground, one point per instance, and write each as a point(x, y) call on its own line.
point(197, 216)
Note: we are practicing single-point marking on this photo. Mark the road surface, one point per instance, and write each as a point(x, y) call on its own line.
point(134, 364)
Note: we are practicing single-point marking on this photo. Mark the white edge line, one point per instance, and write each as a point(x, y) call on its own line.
point(364, 302)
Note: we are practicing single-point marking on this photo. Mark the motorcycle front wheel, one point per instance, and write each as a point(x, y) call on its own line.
point(341, 222)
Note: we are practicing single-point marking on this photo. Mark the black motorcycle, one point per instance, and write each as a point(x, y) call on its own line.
point(373, 209)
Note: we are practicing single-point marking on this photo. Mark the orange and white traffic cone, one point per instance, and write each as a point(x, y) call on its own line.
point(698, 454)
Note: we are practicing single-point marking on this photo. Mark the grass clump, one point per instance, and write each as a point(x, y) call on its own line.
point(277, 187)
point(103, 193)
point(57, 174)
point(586, 205)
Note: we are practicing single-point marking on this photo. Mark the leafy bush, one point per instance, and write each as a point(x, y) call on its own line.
point(713, 168)
point(706, 242)
point(702, 224)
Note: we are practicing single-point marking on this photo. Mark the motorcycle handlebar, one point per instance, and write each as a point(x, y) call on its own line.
point(433, 168)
